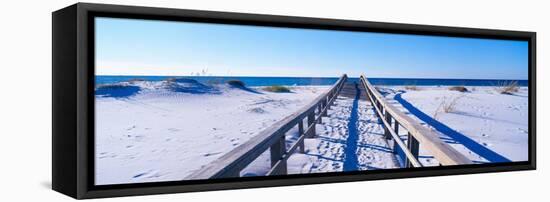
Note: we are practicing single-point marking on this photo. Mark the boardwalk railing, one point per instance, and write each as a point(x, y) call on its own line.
point(273, 138)
point(416, 134)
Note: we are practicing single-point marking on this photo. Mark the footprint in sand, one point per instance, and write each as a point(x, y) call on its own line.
point(486, 144)
point(212, 154)
point(234, 141)
point(140, 175)
point(106, 155)
point(173, 129)
point(147, 174)
point(523, 130)
point(130, 128)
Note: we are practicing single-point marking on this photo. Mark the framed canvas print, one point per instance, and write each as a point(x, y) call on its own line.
point(156, 100)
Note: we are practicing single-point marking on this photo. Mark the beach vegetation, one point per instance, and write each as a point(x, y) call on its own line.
point(450, 106)
point(186, 85)
point(277, 89)
point(459, 89)
point(447, 106)
point(132, 81)
point(214, 81)
point(412, 87)
point(181, 80)
point(236, 83)
point(508, 88)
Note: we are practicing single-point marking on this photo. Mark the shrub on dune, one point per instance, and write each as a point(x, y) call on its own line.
point(459, 88)
point(241, 85)
point(412, 87)
point(277, 89)
point(135, 80)
point(236, 83)
point(183, 80)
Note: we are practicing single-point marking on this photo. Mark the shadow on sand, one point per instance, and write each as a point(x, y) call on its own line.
point(472, 145)
point(351, 163)
point(117, 90)
point(244, 88)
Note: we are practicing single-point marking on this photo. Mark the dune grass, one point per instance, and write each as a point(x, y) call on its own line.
point(508, 88)
point(447, 105)
point(412, 87)
point(277, 89)
point(451, 106)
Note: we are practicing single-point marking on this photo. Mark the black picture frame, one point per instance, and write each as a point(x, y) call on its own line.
point(73, 100)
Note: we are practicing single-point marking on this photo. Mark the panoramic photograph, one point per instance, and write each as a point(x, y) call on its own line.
point(177, 101)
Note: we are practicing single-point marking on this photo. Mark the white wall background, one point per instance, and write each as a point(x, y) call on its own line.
point(25, 103)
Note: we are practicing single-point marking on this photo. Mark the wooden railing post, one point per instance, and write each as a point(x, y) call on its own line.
point(413, 146)
point(320, 112)
point(326, 101)
point(327, 105)
point(311, 123)
point(300, 133)
point(396, 129)
point(277, 151)
point(386, 129)
point(234, 173)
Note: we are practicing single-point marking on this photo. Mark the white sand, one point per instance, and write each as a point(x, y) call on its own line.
point(483, 118)
point(159, 135)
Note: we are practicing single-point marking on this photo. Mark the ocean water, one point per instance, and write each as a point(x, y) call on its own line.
point(301, 81)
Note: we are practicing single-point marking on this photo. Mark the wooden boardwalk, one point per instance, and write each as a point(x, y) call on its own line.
point(349, 91)
point(350, 138)
point(383, 115)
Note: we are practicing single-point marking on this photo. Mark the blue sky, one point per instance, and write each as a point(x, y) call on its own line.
point(150, 47)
